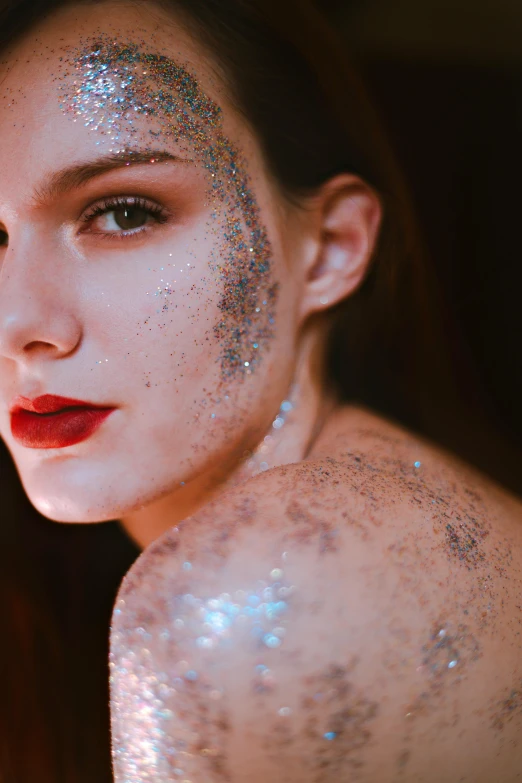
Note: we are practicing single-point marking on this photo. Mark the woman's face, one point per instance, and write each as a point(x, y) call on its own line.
point(147, 264)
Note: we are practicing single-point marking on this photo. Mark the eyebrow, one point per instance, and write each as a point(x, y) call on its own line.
point(71, 177)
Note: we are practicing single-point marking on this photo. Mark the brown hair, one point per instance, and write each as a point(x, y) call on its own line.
point(288, 76)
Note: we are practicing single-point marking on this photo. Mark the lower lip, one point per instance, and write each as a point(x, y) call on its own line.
point(56, 430)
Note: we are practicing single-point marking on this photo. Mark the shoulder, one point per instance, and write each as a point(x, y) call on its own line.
point(350, 613)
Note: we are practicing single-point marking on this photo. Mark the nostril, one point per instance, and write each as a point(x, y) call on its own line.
point(4, 238)
point(39, 345)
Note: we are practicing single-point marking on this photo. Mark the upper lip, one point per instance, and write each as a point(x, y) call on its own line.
point(49, 403)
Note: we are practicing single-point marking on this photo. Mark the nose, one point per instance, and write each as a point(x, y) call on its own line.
point(37, 317)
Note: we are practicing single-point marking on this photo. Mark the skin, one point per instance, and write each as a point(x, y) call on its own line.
point(376, 569)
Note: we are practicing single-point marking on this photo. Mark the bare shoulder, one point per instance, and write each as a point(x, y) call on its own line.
point(354, 616)
point(400, 464)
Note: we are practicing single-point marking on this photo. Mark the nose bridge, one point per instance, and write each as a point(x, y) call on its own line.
point(35, 310)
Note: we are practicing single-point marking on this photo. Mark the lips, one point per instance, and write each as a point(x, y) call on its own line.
point(52, 422)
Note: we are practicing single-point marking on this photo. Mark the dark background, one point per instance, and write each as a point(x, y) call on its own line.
point(446, 76)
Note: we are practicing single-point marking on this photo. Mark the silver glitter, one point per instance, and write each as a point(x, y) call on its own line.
point(159, 676)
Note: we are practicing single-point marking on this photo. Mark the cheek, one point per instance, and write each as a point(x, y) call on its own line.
point(158, 302)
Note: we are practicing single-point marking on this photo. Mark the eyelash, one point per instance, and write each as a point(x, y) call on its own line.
point(120, 202)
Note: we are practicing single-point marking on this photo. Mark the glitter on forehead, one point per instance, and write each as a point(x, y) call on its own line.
point(114, 83)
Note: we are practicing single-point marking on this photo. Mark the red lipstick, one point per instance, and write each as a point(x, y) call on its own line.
point(51, 422)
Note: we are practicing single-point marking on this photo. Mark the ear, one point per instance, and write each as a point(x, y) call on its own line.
point(348, 216)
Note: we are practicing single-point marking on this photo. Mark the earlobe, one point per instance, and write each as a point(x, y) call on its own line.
point(350, 217)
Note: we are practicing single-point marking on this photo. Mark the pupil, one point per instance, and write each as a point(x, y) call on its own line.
point(130, 217)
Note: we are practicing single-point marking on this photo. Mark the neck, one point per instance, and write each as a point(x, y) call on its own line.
point(289, 437)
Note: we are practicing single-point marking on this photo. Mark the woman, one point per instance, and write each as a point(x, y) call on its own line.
point(189, 220)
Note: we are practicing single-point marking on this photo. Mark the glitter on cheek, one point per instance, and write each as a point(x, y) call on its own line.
point(110, 85)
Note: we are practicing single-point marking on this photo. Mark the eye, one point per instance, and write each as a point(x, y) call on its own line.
point(123, 216)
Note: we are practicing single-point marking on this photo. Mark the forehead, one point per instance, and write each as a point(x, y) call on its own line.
point(39, 54)
point(105, 67)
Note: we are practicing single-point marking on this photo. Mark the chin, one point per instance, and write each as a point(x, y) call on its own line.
point(71, 501)
point(61, 509)
point(75, 490)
